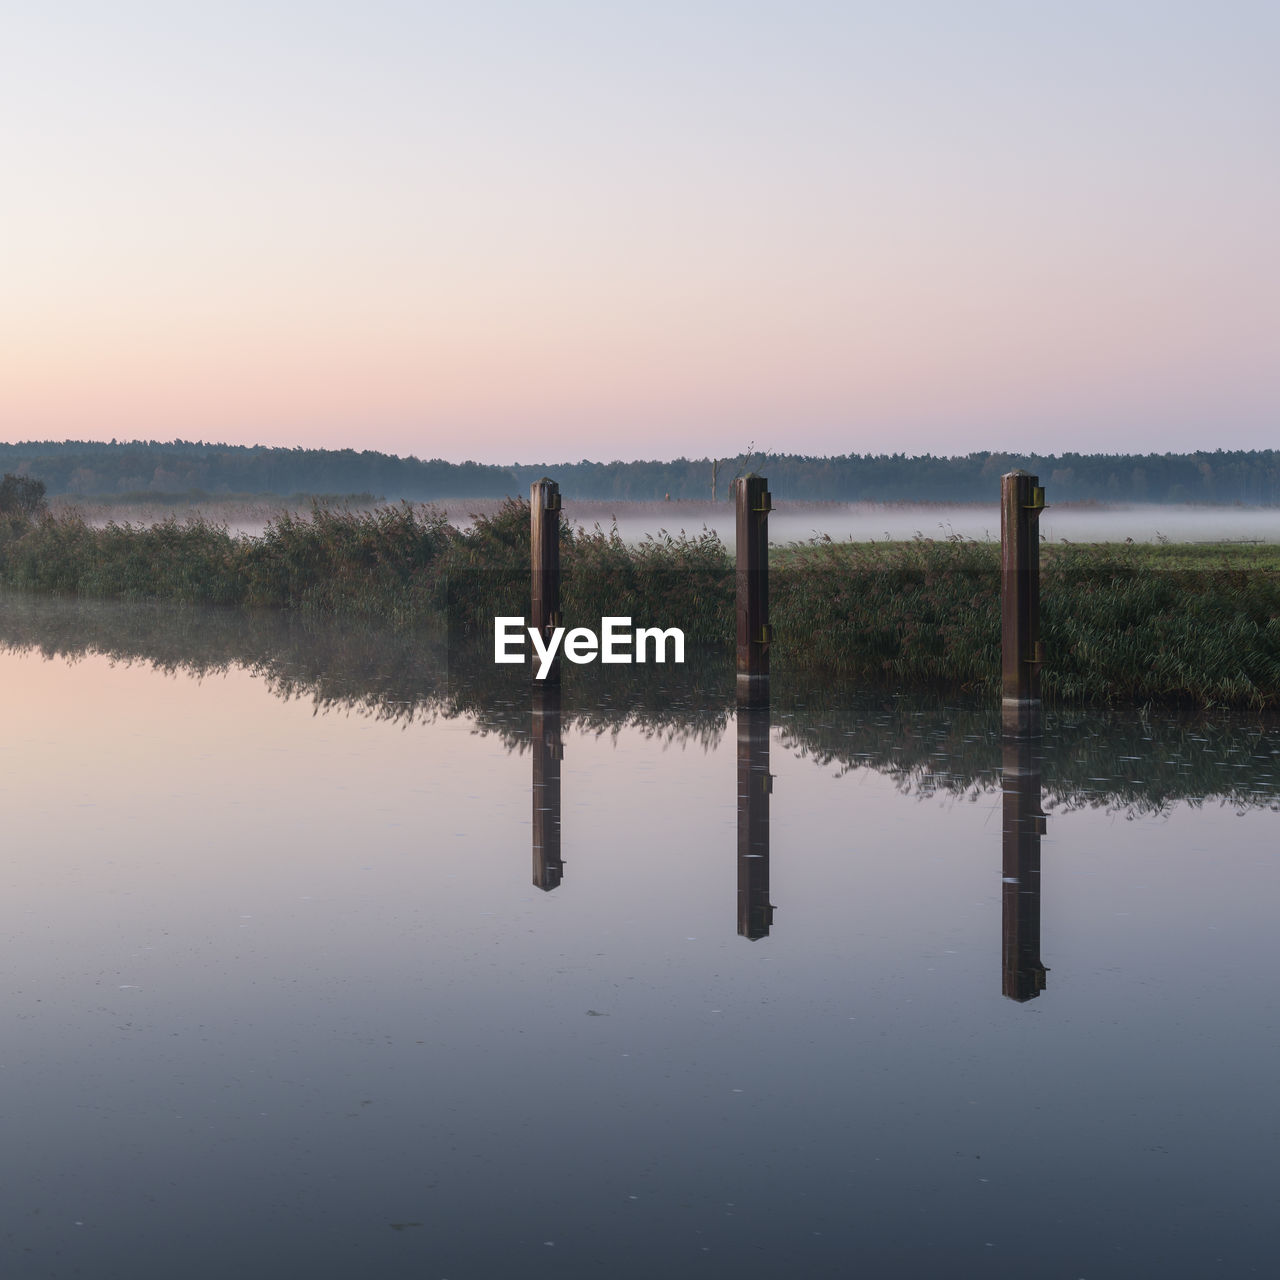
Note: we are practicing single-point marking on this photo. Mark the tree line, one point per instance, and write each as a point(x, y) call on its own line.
point(198, 469)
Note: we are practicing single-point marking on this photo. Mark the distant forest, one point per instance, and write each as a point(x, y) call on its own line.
point(194, 469)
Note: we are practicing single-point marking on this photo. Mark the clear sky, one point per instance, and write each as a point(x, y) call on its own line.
point(551, 229)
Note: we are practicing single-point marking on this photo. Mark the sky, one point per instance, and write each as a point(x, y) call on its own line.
point(553, 229)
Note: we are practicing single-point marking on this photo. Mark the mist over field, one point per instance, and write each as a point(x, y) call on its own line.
point(789, 522)
point(873, 521)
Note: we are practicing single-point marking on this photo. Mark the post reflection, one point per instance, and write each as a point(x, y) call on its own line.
point(548, 752)
point(1023, 975)
point(755, 912)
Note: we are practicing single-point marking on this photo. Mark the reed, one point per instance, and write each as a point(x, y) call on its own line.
point(1197, 625)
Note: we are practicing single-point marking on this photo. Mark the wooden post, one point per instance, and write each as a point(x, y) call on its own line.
point(1022, 974)
point(548, 752)
point(1021, 652)
point(751, 494)
point(544, 550)
point(755, 783)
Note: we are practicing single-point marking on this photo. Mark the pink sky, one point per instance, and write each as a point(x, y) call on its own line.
point(551, 230)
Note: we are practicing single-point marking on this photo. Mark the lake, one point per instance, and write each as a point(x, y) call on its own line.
point(333, 953)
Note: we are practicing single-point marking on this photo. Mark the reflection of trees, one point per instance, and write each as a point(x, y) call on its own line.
point(930, 744)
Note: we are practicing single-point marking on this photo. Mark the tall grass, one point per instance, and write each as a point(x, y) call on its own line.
point(917, 613)
point(1119, 623)
point(1119, 626)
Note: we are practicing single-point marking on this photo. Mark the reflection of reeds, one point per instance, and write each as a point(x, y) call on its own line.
point(1135, 624)
point(1139, 762)
point(928, 745)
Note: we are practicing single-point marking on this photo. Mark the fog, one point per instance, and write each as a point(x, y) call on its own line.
point(801, 521)
point(865, 522)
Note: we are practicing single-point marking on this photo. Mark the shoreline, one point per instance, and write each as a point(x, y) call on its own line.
point(1168, 623)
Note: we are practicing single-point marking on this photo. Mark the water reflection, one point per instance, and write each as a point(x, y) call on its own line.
point(755, 784)
point(548, 751)
point(1023, 975)
point(1134, 762)
point(244, 987)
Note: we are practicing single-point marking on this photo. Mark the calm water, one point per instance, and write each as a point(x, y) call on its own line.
point(324, 957)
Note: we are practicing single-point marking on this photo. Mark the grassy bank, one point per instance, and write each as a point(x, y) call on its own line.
point(1120, 623)
point(1199, 625)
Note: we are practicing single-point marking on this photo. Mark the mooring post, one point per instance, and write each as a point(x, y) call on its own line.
point(544, 551)
point(755, 784)
point(1021, 652)
point(548, 752)
point(751, 494)
point(1022, 973)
